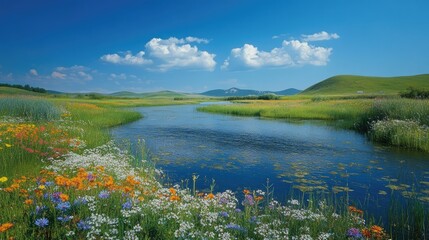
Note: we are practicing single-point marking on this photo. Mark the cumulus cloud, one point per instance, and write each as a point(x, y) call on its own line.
point(321, 36)
point(166, 54)
point(291, 53)
point(33, 72)
point(128, 58)
point(74, 73)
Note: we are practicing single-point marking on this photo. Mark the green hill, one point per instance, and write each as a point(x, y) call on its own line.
point(17, 91)
point(354, 85)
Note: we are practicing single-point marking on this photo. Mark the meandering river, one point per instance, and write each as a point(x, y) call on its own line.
point(304, 156)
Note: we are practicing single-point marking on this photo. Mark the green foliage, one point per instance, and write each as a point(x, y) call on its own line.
point(415, 93)
point(31, 109)
point(25, 87)
point(261, 97)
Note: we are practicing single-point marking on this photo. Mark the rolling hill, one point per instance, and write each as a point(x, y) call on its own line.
point(160, 94)
point(349, 84)
point(17, 91)
point(236, 92)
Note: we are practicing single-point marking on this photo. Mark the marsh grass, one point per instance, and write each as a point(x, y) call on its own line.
point(29, 108)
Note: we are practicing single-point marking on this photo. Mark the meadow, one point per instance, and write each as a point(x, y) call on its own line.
point(385, 119)
point(62, 178)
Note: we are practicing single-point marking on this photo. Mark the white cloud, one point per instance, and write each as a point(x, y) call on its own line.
point(34, 72)
point(321, 36)
point(56, 74)
point(121, 76)
point(73, 73)
point(291, 53)
point(166, 54)
point(128, 58)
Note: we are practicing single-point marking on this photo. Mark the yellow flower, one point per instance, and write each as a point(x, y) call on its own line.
point(42, 187)
point(3, 179)
point(8, 145)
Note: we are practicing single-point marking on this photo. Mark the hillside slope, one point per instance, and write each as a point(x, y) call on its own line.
point(348, 84)
point(17, 91)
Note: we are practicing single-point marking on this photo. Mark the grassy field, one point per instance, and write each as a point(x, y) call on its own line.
point(364, 115)
point(350, 85)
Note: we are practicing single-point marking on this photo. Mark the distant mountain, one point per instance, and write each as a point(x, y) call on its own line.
point(160, 94)
point(236, 92)
point(349, 84)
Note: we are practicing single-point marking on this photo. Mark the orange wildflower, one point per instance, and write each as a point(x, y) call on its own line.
point(353, 209)
point(210, 196)
point(5, 226)
point(64, 197)
point(259, 198)
point(172, 191)
point(366, 233)
point(141, 198)
point(28, 201)
point(246, 192)
point(174, 198)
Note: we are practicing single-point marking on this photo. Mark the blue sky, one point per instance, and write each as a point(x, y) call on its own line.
point(195, 46)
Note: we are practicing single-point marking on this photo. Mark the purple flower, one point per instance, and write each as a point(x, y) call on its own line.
point(354, 233)
point(40, 209)
point(223, 214)
point(82, 225)
point(64, 219)
point(41, 222)
point(237, 210)
point(63, 206)
point(223, 200)
point(235, 227)
point(90, 177)
point(127, 205)
point(104, 194)
point(248, 200)
point(55, 197)
point(254, 219)
point(80, 201)
point(48, 184)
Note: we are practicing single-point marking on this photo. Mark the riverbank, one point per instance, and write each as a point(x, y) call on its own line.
point(391, 121)
point(79, 185)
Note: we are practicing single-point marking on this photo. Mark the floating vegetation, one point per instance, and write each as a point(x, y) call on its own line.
point(409, 194)
point(396, 187)
point(424, 183)
point(381, 192)
point(388, 179)
point(333, 172)
point(300, 174)
point(424, 199)
point(338, 189)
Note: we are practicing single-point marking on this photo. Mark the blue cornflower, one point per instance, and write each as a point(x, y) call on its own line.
point(237, 210)
point(104, 194)
point(127, 205)
point(55, 197)
point(64, 219)
point(223, 214)
point(41, 222)
point(63, 206)
point(40, 209)
point(80, 201)
point(48, 184)
point(354, 233)
point(82, 225)
point(235, 227)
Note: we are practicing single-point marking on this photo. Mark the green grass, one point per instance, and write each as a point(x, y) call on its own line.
point(350, 85)
point(31, 109)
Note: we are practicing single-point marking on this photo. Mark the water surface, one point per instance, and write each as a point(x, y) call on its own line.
point(305, 156)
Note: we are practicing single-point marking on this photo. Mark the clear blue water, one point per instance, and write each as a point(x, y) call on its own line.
point(243, 152)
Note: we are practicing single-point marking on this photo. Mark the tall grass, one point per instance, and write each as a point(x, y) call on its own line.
point(31, 109)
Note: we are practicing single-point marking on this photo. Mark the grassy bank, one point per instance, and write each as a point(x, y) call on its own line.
point(365, 115)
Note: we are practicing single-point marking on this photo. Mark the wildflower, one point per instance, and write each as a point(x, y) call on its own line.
point(56, 197)
point(223, 214)
point(141, 198)
point(172, 191)
point(64, 197)
point(41, 222)
point(40, 209)
point(5, 226)
point(3, 179)
point(104, 194)
point(41, 187)
point(355, 210)
point(248, 200)
point(246, 192)
point(259, 198)
point(8, 145)
point(354, 233)
point(174, 198)
point(127, 205)
point(64, 206)
point(235, 227)
point(366, 233)
point(28, 201)
point(64, 219)
point(210, 196)
point(293, 202)
point(80, 201)
point(237, 210)
point(83, 225)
